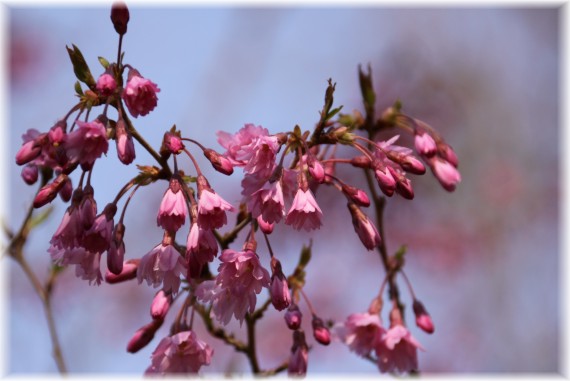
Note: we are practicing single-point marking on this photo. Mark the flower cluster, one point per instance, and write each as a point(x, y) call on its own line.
point(282, 175)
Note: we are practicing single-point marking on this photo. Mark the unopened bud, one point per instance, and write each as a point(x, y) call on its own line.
point(365, 229)
point(316, 169)
point(423, 320)
point(49, 191)
point(66, 191)
point(293, 317)
point(298, 360)
point(448, 154)
point(171, 144)
point(160, 305)
point(143, 336)
point(219, 162)
point(28, 152)
point(120, 17)
point(356, 195)
point(125, 144)
point(385, 180)
point(361, 162)
point(265, 226)
point(30, 174)
point(320, 332)
point(425, 145)
point(128, 272)
point(116, 252)
point(279, 289)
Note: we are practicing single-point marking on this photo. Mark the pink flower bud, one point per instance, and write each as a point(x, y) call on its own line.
point(279, 289)
point(28, 152)
point(447, 153)
point(66, 191)
point(365, 229)
point(356, 195)
point(316, 169)
point(160, 305)
point(143, 336)
point(265, 226)
point(219, 162)
point(172, 143)
point(446, 173)
point(49, 191)
point(298, 361)
point(30, 174)
point(423, 320)
point(320, 332)
point(129, 272)
point(386, 181)
point(125, 144)
point(413, 165)
point(106, 84)
point(293, 317)
point(425, 145)
point(120, 17)
point(361, 162)
point(116, 252)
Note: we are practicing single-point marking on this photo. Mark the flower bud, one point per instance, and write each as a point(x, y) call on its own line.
point(128, 272)
point(358, 196)
point(447, 153)
point(298, 361)
point(120, 17)
point(264, 226)
point(361, 162)
point(143, 336)
point(425, 145)
point(172, 143)
point(413, 165)
point(49, 191)
point(30, 174)
point(106, 84)
point(385, 180)
point(316, 169)
point(365, 229)
point(219, 162)
point(116, 252)
point(423, 320)
point(160, 305)
point(279, 289)
point(447, 175)
point(125, 144)
point(28, 152)
point(320, 332)
point(293, 317)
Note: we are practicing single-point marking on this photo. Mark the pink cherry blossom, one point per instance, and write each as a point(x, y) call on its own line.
point(305, 212)
point(180, 353)
point(98, 238)
point(106, 84)
point(362, 332)
point(212, 210)
point(173, 210)
point(268, 202)
point(162, 265)
point(87, 143)
point(240, 146)
point(87, 265)
point(201, 248)
point(140, 94)
point(397, 351)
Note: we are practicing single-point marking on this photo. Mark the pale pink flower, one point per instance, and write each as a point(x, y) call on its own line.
point(173, 210)
point(262, 156)
point(240, 146)
point(397, 351)
point(268, 202)
point(98, 238)
point(201, 248)
point(212, 210)
point(305, 212)
point(106, 84)
point(140, 94)
point(180, 353)
point(446, 173)
point(70, 230)
point(87, 265)
point(162, 265)
point(87, 143)
point(361, 332)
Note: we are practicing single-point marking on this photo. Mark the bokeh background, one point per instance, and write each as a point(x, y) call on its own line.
point(484, 259)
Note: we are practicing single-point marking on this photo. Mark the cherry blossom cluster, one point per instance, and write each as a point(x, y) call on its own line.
point(282, 174)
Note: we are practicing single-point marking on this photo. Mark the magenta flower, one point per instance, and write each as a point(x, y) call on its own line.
point(423, 320)
point(201, 248)
point(361, 332)
point(163, 264)
point(173, 210)
point(140, 94)
point(212, 210)
point(268, 202)
point(320, 332)
point(240, 278)
point(305, 212)
point(397, 351)
point(87, 143)
point(180, 353)
point(106, 84)
point(98, 238)
point(172, 143)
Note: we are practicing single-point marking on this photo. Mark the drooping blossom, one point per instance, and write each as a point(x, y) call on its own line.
point(305, 213)
point(265, 226)
point(201, 248)
point(240, 278)
point(362, 332)
point(140, 94)
point(87, 143)
point(397, 351)
point(88, 265)
point(212, 210)
point(180, 353)
point(268, 202)
point(98, 238)
point(423, 320)
point(162, 265)
point(116, 252)
point(106, 84)
point(173, 210)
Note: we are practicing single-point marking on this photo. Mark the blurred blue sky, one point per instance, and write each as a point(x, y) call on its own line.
point(485, 258)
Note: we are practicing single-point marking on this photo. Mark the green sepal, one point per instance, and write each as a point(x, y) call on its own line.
point(78, 88)
point(39, 218)
point(103, 62)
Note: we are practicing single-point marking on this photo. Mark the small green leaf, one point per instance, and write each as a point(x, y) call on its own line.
point(103, 62)
point(399, 255)
point(39, 218)
point(78, 89)
point(305, 255)
point(333, 112)
point(367, 90)
point(80, 67)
